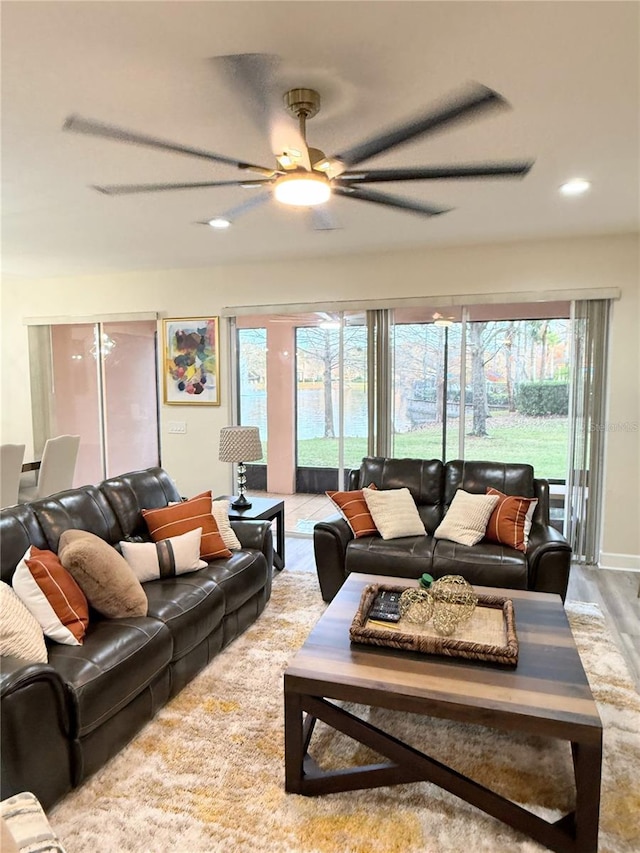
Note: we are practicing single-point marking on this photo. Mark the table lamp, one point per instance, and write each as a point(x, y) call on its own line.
point(240, 444)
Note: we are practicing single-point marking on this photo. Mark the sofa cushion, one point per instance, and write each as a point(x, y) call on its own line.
point(166, 558)
point(19, 529)
point(394, 513)
point(118, 660)
point(188, 515)
point(78, 509)
point(102, 574)
point(510, 520)
point(51, 594)
point(408, 557)
point(128, 493)
point(423, 478)
point(509, 477)
point(192, 606)
point(355, 511)
point(20, 632)
point(466, 519)
point(484, 564)
point(240, 577)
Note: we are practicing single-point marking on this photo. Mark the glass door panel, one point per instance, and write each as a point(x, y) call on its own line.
point(75, 394)
point(426, 389)
point(129, 364)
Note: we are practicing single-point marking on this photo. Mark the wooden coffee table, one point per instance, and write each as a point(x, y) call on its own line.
point(547, 694)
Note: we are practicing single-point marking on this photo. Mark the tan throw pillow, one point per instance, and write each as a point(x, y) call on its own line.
point(394, 512)
point(20, 633)
point(510, 521)
point(220, 511)
point(165, 559)
point(467, 518)
point(355, 511)
point(188, 515)
point(102, 574)
point(51, 594)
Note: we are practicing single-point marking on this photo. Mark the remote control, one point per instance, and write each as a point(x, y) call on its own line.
point(385, 607)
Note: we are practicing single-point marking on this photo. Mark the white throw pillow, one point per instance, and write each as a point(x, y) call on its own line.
point(394, 512)
point(467, 518)
point(220, 511)
point(166, 558)
point(20, 633)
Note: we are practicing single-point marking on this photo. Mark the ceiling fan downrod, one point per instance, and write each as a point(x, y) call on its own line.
point(304, 104)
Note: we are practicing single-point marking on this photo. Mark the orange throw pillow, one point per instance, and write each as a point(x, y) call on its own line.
point(53, 596)
point(510, 521)
point(184, 516)
point(355, 511)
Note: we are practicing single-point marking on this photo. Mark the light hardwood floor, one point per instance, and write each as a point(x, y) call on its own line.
point(615, 593)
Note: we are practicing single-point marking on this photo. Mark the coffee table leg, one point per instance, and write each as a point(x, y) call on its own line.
point(294, 746)
point(587, 763)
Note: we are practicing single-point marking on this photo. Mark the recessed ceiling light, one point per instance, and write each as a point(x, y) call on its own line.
point(577, 186)
point(219, 223)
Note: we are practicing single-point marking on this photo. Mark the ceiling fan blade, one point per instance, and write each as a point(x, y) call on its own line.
point(254, 76)
point(77, 124)
point(476, 100)
point(516, 169)
point(130, 189)
point(251, 203)
point(391, 201)
point(323, 218)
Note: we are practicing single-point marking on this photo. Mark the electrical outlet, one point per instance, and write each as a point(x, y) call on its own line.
point(177, 427)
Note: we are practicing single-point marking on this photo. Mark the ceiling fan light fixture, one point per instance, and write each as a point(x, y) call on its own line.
point(219, 223)
point(302, 189)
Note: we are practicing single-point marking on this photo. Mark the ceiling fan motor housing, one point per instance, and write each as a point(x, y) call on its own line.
point(302, 102)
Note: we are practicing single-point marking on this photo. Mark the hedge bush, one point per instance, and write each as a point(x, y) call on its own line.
point(543, 398)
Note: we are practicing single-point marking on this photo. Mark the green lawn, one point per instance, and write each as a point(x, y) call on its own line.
point(542, 442)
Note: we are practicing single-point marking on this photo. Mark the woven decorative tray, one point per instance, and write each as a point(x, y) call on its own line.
point(489, 635)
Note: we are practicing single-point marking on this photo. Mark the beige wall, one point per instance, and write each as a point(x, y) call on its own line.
point(550, 266)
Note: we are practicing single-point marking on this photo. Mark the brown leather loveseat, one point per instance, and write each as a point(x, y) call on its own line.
point(544, 566)
point(61, 721)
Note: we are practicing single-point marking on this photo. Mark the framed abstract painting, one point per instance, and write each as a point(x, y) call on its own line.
point(191, 361)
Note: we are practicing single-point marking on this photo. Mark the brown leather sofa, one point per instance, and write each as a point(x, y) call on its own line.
point(61, 721)
point(544, 567)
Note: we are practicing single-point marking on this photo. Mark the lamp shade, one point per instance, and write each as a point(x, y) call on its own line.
point(240, 444)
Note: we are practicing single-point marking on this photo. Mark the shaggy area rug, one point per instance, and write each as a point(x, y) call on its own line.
point(207, 774)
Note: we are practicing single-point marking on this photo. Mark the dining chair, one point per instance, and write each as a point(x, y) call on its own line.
point(11, 458)
point(56, 469)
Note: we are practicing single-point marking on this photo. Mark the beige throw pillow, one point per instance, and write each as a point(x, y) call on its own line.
point(394, 512)
point(20, 633)
point(102, 574)
point(467, 518)
point(220, 511)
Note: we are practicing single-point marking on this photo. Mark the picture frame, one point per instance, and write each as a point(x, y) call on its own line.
point(191, 361)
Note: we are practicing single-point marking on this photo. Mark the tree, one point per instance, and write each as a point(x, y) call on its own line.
point(323, 346)
point(478, 380)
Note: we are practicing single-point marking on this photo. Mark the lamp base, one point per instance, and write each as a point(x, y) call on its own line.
point(241, 503)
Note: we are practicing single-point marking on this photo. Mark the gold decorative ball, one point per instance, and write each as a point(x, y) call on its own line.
point(453, 603)
point(416, 605)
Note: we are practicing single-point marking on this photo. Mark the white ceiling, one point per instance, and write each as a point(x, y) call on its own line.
point(570, 71)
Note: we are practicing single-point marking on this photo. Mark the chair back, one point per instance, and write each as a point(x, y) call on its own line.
point(58, 465)
point(11, 458)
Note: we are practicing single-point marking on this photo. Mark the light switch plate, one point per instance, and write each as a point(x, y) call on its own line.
point(177, 427)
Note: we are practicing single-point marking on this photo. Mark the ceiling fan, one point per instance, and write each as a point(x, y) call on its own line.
point(304, 176)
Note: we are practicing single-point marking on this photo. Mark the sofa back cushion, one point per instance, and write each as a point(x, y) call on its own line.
point(129, 494)
point(423, 478)
point(19, 528)
point(476, 477)
point(77, 509)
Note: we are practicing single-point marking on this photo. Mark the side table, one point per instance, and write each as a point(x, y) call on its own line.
point(262, 509)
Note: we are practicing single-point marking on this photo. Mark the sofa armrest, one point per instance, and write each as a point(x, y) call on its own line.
point(330, 540)
point(35, 727)
point(549, 559)
point(256, 535)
